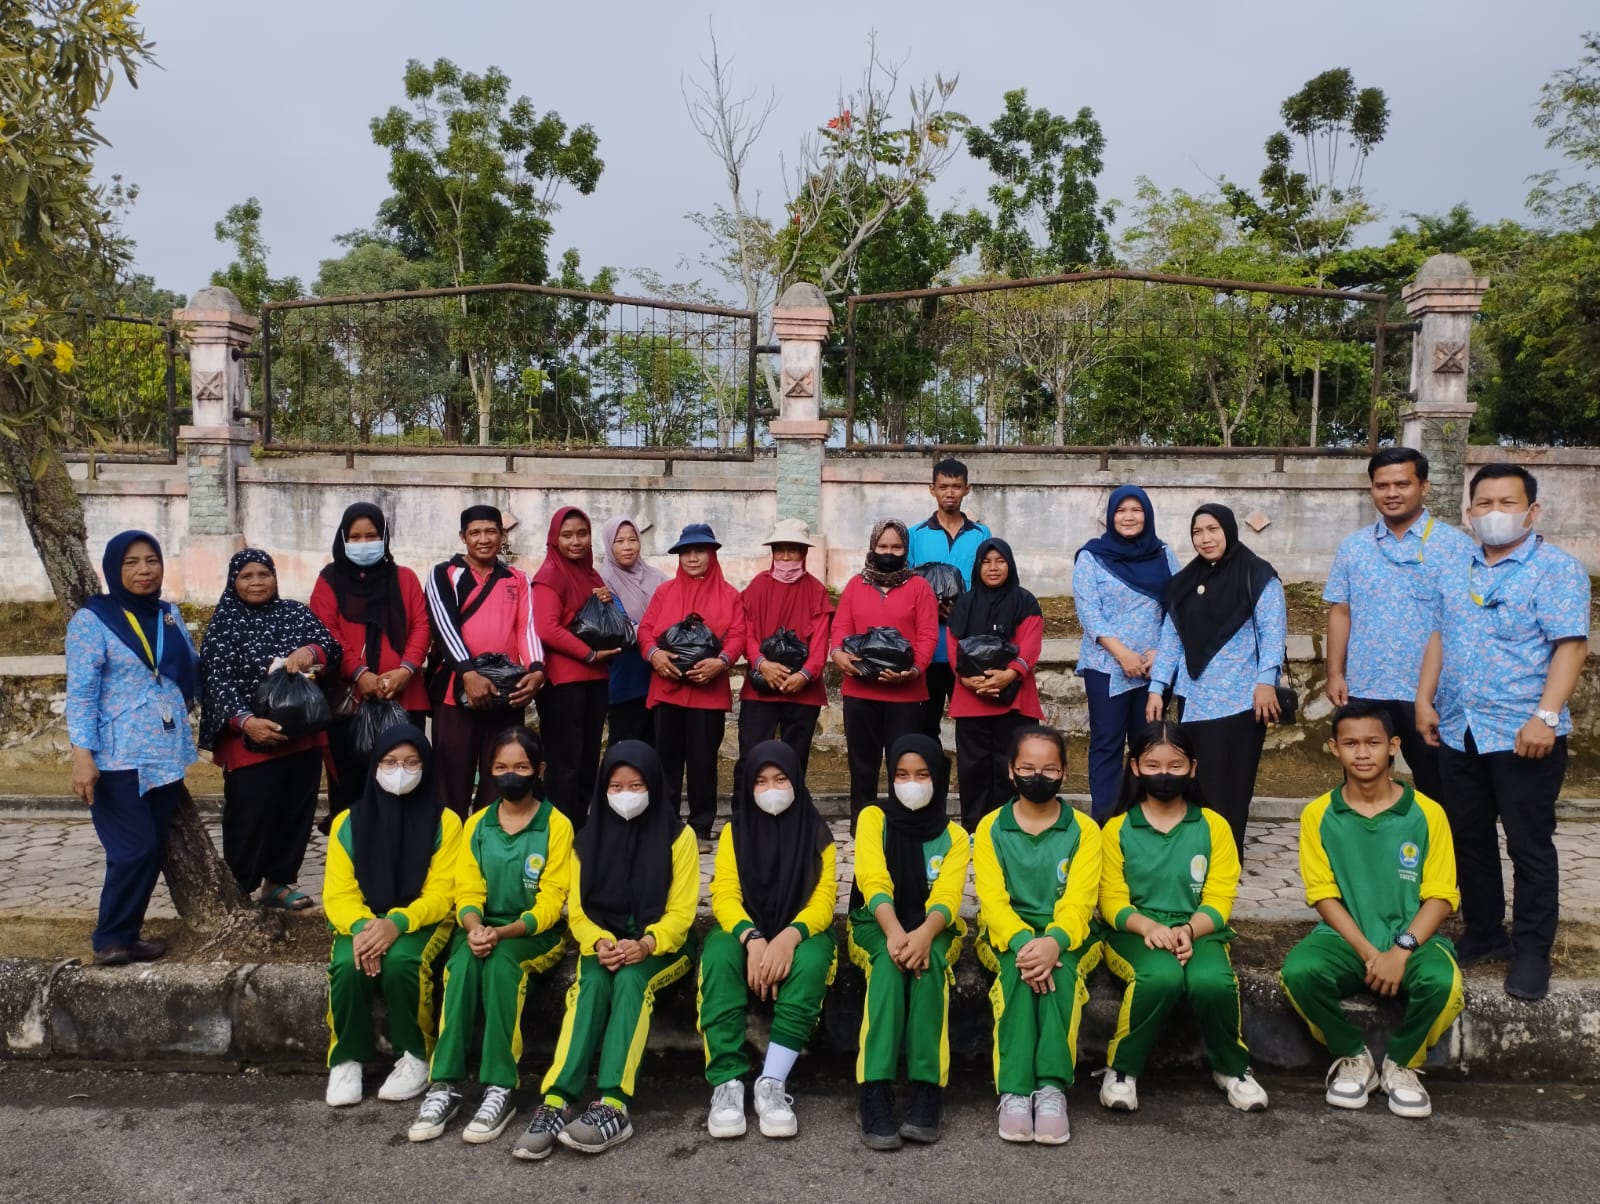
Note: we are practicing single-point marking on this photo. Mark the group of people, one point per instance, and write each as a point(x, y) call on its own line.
point(1460, 652)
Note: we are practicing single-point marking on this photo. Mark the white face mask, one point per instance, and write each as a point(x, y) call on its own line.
point(776, 800)
point(1500, 527)
point(914, 795)
point(399, 780)
point(365, 553)
point(629, 804)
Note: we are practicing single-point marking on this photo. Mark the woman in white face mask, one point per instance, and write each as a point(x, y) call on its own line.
point(905, 934)
point(388, 892)
point(772, 895)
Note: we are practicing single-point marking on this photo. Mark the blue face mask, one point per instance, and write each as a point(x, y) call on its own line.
point(365, 554)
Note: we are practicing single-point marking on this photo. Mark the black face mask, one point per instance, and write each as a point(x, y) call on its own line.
point(1035, 787)
point(1164, 787)
point(888, 562)
point(514, 787)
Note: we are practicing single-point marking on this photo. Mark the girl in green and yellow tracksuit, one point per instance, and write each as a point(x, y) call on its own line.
point(905, 933)
point(1171, 871)
point(511, 885)
point(772, 894)
point(387, 891)
point(635, 879)
point(1036, 862)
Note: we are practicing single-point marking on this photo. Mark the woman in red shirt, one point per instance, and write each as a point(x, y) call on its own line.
point(878, 711)
point(375, 609)
point(989, 707)
point(572, 705)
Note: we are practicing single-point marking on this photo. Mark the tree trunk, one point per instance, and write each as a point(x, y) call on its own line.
point(205, 894)
point(1316, 399)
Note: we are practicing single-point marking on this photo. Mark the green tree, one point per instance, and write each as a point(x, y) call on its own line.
point(247, 275)
point(655, 387)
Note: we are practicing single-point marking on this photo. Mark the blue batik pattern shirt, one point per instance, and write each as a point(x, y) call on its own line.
point(1251, 658)
point(118, 709)
point(1499, 625)
point(930, 544)
point(1108, 606)
point(1384, 580)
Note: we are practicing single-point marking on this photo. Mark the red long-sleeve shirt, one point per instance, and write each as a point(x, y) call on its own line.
point(912, 610)
point(352, 638)
point(667, 608)
point(1029, 639)
point(762, 617)
point(565, 655)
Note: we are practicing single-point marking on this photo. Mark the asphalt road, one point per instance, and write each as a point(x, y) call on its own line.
point(131, 1137)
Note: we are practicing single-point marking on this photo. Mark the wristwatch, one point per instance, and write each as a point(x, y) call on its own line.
point(1553, 718)
point(1406, 941)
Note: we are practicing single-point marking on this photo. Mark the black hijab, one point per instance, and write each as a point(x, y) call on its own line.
point(779, 856)
point(1209, 601)
point(113, 607)
point(392, 836)
point(905, 831)
point(626, 865)
point(993, 610)
point(368, 597)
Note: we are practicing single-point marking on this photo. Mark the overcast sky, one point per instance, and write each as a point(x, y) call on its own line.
point(274, 99)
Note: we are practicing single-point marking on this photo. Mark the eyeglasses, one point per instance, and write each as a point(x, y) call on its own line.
point(408, 763)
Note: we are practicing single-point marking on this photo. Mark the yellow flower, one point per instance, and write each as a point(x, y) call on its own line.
point(33, 348)
point(64, 356)
point(13, 359)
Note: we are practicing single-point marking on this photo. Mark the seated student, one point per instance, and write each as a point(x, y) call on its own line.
point(905, 933)
point(1169, 877)
point(772, 895)
point(387, 890)
point(635, 879)
point(1037, 868)
point(1380, 869)
point(511, 884)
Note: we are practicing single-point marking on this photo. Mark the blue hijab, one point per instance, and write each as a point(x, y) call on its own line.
point(1139, 563)
point(114, 606)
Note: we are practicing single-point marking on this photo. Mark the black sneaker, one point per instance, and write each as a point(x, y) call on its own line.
point(147, 951)
point(876, 1114)
point(1472, 948)
point(599, 1128)
point(924, 1113)
point(543, 1131)
point(1529, 977)
point(112, 955)
point(439, 1108)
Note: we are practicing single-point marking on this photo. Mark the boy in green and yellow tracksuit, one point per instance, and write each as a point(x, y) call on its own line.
point(1378, 864)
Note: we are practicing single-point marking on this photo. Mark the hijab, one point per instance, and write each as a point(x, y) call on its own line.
point(632, 586)
point(392, 836)
point(368, 597)
point(177, 662)
point(1139, 563)
point(242, 640)
point(993, 610)
point(779, 856)
point(574, 581)
point(625, 866)
point(876, 577)
point(905, 831)
point(709, 596)
point(1209, 602)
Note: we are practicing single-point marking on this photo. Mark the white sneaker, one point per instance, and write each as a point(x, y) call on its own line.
point(727, 1110)
point(1407, 1096)
point(344, 1085)
point(407, 1080)
point(1351, 1081)
point(1016, 1117)
point(775, 1109)
point(494, 1113)
point(1244, 1093)
point(1118, 1091)
point(1050, 1126)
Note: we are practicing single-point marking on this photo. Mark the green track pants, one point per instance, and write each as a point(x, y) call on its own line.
point(724, 994)
point(1036, 1035)
point(498, 984)
point(1156, 984)
point(406, 981)
point(901, 1010)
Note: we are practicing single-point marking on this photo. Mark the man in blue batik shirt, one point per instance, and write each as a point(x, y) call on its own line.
point(1511, 636)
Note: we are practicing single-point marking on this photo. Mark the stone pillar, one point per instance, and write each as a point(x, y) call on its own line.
point(1443, 299)
point(801, 320)
point(215, 444)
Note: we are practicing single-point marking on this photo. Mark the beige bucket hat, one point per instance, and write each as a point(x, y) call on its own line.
point(790, 530)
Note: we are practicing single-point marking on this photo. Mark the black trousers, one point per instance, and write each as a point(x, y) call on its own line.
point(133, 829)
point(1521, 792)
point(759, 720)
point(941, 679)
point(267, 811)
point(1114, 719)
point(983, 763)
point(870, 729)
point(1421, 757)
point(1229, 752)
point(463, 740)
point(348, 778)
point(630, 720)
point(688, 739)
point(572, 719)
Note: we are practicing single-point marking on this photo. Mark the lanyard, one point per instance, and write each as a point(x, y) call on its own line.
point(1490, 599)
point(161, 641)
point(1422, 552)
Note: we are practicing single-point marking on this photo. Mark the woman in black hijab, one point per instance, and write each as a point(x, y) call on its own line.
point(636, 873)
point(388, 892)
point(1221, 651)
point(773, 895)
point(905, 933)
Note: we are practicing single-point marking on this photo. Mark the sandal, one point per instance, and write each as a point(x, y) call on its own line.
point(286, 898)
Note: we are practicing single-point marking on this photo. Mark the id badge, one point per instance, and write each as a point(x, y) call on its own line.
point(168, 723)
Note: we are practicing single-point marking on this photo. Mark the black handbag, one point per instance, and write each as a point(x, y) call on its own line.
point(1288, 704)
point(881, 650)
point(690, 641)
point(601, 626)
point(785, 647)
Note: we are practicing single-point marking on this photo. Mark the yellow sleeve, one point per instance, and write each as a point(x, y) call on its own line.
point(554, 881)
point(947, 889)
point(1116, 901)
point(872, 868)
point(1221, 886)
point(727, 896)
point(672, 929)
point(1316, 871)
point(439, 887)
point(817, 915)
point(1069, 923)
point(584, 930)
point(342, 903)
point(1000, 920)
point(471, 887)
point(1439, 867)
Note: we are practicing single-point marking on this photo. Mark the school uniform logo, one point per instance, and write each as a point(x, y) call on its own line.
point(935, 864)
point(1198, 866)
point(532, 868)
point(1410, 858)
point(1062, 867)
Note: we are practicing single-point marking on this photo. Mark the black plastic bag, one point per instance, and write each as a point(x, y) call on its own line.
point(946, 580)
point(978, 653)
point(881, 650)
point(602, 626)
point(785, 647)
point(503, 673)
point(690, 641)
point(372, 718)
point(294, 702)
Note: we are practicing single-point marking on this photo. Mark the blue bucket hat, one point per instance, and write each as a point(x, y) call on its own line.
point(695, 535)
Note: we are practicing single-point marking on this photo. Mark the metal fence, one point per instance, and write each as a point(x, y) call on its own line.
point(541, 370)
point(1117, 358)
point(127, 372)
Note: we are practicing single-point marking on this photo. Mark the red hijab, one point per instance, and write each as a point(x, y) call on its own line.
point(574, 581)
point(710, 597)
